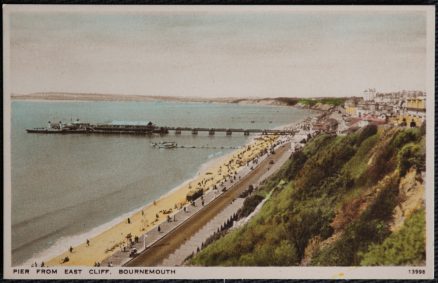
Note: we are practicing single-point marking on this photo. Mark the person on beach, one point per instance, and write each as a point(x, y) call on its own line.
point(159, 229)
point(88, 242)
point(71, 249)
point(129, 221)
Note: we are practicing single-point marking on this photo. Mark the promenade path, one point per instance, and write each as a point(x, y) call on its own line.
point(160, 245)
point(154, 246)
point(192, 245)
point(178, 257)
point(149, 238)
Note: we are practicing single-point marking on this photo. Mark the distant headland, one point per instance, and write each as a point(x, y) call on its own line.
point(312, 103)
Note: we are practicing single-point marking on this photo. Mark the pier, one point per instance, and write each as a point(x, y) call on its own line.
point(228, 131)
point(145, 129)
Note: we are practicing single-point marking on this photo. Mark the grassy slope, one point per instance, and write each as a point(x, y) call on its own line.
point(323, 181)
point(328, 101)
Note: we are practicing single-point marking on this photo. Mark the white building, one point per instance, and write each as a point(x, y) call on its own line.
point(369, 94)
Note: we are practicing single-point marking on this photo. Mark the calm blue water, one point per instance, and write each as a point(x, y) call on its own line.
point(64, 185)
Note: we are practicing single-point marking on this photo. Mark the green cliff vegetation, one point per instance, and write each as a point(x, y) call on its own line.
point(287, 100)
point(334, 208)
point(328, 101)
point(406, 246)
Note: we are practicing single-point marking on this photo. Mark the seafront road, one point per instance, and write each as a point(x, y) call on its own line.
point(162, 248)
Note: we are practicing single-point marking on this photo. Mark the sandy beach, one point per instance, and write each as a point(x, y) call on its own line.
point(115, 238)
point(174, 238)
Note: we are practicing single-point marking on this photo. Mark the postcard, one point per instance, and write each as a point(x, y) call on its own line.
point(191, 142)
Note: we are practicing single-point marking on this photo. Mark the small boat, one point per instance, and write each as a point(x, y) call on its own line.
point(165, 144)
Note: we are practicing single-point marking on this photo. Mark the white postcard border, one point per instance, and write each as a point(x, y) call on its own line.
point(405, 272)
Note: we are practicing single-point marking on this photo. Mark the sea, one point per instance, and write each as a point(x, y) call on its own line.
point(68, 187)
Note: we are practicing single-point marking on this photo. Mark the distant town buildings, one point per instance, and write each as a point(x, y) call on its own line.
point(404, 108)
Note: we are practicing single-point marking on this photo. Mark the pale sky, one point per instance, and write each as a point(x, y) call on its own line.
point(221, 53)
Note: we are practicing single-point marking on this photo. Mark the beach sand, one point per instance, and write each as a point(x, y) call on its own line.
point(111, 240)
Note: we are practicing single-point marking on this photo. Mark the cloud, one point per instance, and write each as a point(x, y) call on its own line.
point(218, 53)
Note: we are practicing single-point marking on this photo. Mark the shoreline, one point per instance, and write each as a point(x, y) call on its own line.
point(165, 202)
point(164, 246)
point(77, 239)
point(53, 254)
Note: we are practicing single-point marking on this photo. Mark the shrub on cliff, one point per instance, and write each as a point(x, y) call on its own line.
point(298, 159)
point(364, 133)
point(358, 164)
point(306, 221)
point(317, 143)
point(411, 155)
point(369, 228)
point(384, 155)
point(249, 205)
point(405, 136)
point(324, 164)
point(404, 247)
